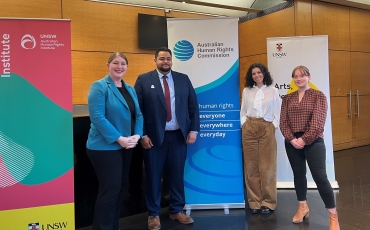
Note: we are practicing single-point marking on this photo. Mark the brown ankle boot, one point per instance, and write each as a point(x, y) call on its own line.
point(333, 221)
point(303, 212)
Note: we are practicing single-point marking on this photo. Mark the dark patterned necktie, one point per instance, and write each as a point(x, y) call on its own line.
point(167, 98)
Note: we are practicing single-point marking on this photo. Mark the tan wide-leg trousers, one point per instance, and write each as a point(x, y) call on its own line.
point(260, 150)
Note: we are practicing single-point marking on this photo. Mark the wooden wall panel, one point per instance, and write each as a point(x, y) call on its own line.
point(88, 67)
point(340, 72)
point(360, 72)
point(102, 26)
point(303, 17)
point(107, 27)
point(253, 33)
point(31, 9)
point(333, 20)
point(361, 125)
point(359, 30)
point(357, 143)
point(341, 122)
point(264, 59)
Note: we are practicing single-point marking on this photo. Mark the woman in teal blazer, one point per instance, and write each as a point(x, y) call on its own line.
point(116, 126)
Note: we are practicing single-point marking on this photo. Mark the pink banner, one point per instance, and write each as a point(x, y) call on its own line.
point(36, 149)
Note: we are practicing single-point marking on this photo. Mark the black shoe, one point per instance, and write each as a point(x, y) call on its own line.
point(265, 210)
point(254, 211)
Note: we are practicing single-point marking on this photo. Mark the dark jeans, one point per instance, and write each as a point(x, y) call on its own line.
point(315, 155)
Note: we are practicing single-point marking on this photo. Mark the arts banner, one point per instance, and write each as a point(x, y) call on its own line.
point(283, 55)
point(36, 149)
point(207, 51)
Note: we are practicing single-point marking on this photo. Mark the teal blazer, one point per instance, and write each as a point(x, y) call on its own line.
point(110, 115)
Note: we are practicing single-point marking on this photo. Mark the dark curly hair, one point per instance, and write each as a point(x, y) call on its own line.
point(267, 79)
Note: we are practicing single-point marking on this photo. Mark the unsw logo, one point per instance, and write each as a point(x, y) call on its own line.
point(279, 47)
point(51, 226)
point(279, 53)
point(33, 226)
point(28, 42)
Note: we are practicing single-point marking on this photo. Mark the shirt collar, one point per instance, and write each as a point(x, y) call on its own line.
point(264, 86)
point(160, 75)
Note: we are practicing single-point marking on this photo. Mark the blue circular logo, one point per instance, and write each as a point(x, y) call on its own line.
point(183, 50)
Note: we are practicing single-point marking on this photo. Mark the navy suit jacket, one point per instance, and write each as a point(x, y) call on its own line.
point(153, 106)
point(110, 115)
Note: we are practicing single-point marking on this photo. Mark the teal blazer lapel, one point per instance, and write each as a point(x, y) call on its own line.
point(115, 91)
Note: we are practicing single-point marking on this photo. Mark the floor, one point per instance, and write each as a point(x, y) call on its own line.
point(353, 205)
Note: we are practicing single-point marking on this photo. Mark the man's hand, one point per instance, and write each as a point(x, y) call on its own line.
point(146, 143)
point(191, 138)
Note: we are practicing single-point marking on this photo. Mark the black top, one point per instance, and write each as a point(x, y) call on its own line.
point(130, 103)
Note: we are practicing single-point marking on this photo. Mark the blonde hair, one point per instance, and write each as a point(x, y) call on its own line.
point(116, 54)
point(303, 69)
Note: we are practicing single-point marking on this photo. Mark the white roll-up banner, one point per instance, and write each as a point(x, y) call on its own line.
point(207, 51)
point(283, 55)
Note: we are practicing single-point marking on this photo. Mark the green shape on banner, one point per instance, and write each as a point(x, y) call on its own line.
point(30, 119)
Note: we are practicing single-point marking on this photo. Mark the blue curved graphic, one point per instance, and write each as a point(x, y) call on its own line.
point(221, 156)
point(214, 167)
point(200, 170)
point(219, 175)
point(233, 70)
point(183, 50)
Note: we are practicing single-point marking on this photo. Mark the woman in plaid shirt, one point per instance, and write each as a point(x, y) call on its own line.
point(302, 120)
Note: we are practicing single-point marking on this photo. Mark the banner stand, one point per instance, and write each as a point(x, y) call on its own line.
point(283, 55)
point(207, 50)
point(225, 207)
point(36, 139)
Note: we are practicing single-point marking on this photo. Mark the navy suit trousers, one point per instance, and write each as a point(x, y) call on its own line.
point(171, 155)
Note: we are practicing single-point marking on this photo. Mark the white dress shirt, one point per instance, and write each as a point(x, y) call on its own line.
point(263, 102)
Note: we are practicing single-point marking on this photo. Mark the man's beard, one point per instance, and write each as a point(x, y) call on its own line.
point(164, 69)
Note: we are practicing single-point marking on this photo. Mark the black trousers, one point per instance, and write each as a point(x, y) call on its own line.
point(111, 168)
point(136, 173)
point(315, 155)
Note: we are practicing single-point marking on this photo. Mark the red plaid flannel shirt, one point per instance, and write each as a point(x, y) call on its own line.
point(307, 116)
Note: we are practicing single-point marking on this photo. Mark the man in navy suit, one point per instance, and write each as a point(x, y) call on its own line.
point(169, 106)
